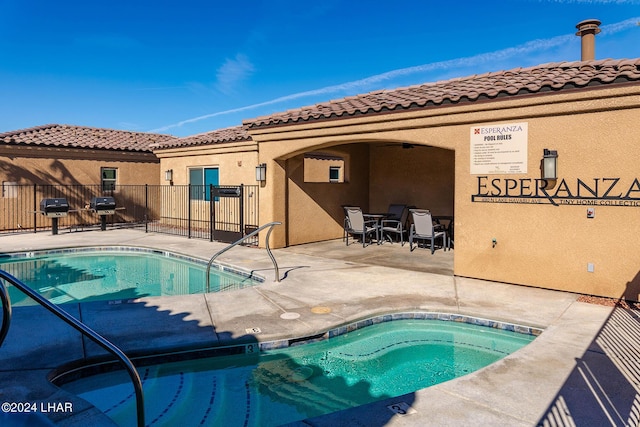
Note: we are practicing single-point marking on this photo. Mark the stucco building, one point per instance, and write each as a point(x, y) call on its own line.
point(64, 154)
point(576, 232)
point(472, 148)
point(72, 156)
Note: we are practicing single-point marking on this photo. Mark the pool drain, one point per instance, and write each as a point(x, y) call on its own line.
point(289, 315)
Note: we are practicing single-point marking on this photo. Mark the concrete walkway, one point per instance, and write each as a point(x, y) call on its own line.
point(583, 368)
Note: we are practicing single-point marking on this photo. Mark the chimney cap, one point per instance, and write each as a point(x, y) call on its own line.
point(588, 26)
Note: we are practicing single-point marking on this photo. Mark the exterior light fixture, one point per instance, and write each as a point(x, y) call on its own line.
point(168, 175)
point(550, 164)
point(261, 172)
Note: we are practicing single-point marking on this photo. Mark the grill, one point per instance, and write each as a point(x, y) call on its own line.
point(54, 208)
point(103, 205)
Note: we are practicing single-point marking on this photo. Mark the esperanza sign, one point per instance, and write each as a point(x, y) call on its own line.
point(594, 191)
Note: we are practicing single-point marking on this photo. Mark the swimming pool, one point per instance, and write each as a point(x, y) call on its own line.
point(379, 360)
point(114, 273)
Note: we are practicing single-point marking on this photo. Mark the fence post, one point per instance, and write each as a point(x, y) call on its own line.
point(146, 208)
point(35, 208)
point(211, 212)
point(242, 230)
point(189, 212)
point(213, 220)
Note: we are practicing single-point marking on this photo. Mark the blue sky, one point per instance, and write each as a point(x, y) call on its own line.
point(188, 67)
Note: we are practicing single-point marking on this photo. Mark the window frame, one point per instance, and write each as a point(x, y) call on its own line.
point(112, 182)
point(337, 170)
point(9, 190)
point(201, 193)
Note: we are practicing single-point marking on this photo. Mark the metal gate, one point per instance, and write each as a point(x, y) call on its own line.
point(227, 213)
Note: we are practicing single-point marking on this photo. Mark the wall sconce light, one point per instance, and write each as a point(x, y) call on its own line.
point(261, 172)
point(168, 175)
point(550, 164)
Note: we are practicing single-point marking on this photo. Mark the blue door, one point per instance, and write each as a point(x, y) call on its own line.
point(211, 177)
point(200, 180)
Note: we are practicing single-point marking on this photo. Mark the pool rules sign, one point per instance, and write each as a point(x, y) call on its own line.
point(499, 149)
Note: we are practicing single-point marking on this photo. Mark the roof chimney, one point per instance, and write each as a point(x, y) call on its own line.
point(587, 30)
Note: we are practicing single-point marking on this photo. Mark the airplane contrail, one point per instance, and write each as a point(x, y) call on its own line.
point(531, 46)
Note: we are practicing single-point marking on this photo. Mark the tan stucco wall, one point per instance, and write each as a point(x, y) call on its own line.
point(314, 210)
point(551, 246)
point(596, 133)
point(317, 168)
point(68, 166)
point(421, 176)
point(236, 162)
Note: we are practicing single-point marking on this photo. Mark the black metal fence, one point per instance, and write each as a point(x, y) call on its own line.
point(195, 211)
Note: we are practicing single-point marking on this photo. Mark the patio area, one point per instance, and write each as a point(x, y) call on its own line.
point(579, 371)
point(392, 255)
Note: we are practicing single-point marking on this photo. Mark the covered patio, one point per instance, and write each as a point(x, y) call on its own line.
point(369, 174)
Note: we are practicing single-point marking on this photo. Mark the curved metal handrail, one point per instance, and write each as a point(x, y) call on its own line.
point(6, 312)
point(253, 233)
point(85, 330)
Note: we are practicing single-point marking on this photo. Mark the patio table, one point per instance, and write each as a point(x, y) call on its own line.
point(446, 227)
point(377, 217)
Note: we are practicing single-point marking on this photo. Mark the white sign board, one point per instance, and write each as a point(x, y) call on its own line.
point(499, 149)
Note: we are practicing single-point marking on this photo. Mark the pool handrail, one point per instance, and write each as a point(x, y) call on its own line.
point(6, 312)
point(80, 327)
point(237, 242)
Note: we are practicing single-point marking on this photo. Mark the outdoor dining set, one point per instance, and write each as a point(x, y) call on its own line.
point(399, 223)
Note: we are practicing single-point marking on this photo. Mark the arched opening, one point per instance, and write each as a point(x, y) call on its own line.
point(373, 175)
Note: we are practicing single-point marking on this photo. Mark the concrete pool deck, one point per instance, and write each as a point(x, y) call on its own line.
point(583, 369)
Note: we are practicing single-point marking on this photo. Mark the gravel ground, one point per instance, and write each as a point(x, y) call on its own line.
point(610, 302)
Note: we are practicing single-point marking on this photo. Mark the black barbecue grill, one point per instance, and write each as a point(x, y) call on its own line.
point(54, 208)
point(103, 205)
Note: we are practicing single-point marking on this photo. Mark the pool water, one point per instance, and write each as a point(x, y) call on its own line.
point(280, 386)
point(92, 275)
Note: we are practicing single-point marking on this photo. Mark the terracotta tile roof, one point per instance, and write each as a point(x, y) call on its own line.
point(219, 136)
point(83, 137)
point(520, 81)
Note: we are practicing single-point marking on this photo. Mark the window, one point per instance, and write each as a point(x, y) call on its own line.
point(109, 179)
point(324, 167)
point(200, 179)
point(334, 173)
